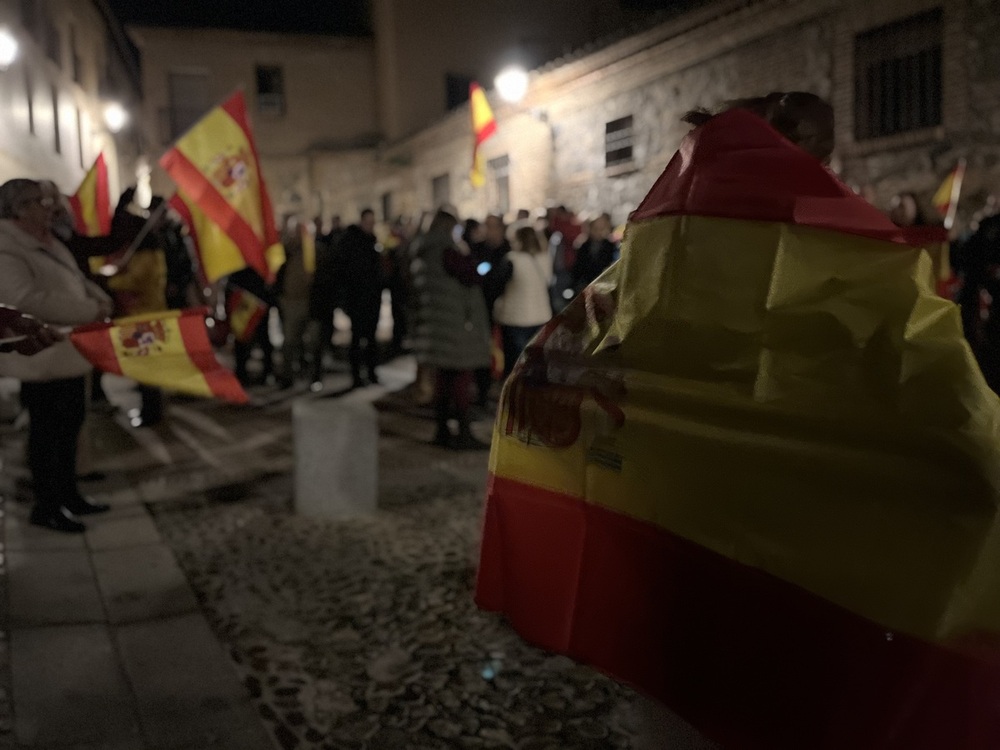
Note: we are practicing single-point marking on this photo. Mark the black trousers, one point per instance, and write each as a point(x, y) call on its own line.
point(56, 409)
point(366, 352)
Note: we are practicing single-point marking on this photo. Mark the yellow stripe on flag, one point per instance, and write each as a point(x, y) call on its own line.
point(219, 147)
point(798, 397)
point(218, 253)
point(152, 351)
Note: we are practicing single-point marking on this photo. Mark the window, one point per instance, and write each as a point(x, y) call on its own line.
point(387, 207)
point(270, 89)
point(441, 190)
point(79, 136)
point(188, 102)
point(897, 77)
point(498, 171)
point(74, 53)
point(618, 142)
point(29, 91)
point(55, 119)
point(53, 44)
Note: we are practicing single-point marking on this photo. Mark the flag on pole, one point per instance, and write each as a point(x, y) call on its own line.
point(483, 126)
point(752, 469)
point(91, 202)
point(245, 311)
point(946, 198)
point(216, 166)
point(165, 349)
point(218, 256)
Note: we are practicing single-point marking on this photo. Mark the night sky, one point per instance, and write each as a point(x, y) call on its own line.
point(347, 17)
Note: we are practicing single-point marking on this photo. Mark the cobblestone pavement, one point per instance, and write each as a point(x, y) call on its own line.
point(363, 634)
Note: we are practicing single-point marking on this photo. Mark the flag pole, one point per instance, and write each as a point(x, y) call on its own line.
point(113, 267)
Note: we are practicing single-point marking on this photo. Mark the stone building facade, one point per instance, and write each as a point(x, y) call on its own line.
point(594, 131)
point(73, 59)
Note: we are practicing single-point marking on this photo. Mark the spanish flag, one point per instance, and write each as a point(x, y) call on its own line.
point(483, 126)
point(216, 166)
point(166, 349)
point(91, 202)
point(754, 470)
point(245, 312)
point(218, 256)
point(945, 200)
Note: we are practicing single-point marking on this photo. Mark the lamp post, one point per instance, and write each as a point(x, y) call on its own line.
point(512, 84)
point(8, 48)
point(115, 117)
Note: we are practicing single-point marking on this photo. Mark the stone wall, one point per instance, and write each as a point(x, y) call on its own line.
point(555, 137)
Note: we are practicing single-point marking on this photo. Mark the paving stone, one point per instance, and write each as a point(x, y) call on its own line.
point(187, 690)
point(139, 583)
point(117, 531)
point(21, 535)
point(52, 587)
point(69, 689)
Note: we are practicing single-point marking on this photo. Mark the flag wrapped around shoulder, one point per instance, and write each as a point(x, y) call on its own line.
point(754, 469)
point(245, 312)
point(483, 126)
point(166, 349)
point(91, 203)
point(216, 166)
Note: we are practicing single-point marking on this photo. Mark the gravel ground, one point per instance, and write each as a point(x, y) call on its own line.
point(363, 634)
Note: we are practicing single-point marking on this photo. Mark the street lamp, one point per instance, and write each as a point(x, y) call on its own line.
point(512, 84)
point(8, 48)
point(115, 117)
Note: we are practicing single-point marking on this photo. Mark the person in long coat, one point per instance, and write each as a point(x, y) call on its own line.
point(39, 276)
point(452, 333)
point(362, 294)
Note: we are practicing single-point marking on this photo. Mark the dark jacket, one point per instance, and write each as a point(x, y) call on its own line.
point(362, 277)
point(592, 259)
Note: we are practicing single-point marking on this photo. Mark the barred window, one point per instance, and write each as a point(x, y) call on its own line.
point(498, 171)
point(897, 83)
point(618, 142)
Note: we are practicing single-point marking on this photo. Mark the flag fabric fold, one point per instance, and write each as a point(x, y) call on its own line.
point(483, 126)
point(91, 203)
point(166, 349)
point(216, 166)
point(752, 470)
point(218, 256)
point(245, 311)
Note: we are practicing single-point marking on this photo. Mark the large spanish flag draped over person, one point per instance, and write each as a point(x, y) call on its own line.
point(754, 471)
point(166, 349)
point(483, 126)
point(91, 203)
point(216, 166)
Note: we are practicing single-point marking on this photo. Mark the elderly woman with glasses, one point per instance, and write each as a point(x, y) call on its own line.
point(39, 277)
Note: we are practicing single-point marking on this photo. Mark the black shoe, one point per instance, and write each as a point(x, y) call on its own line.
point(373, 379)
point(84, 507)
point(285, 383)
point(92, 476)
point(466, 441)
point(442, 437)
point(57, 521)
point(357, 383)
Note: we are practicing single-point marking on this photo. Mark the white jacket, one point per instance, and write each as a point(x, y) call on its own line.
point(46, 283)
point(525, 300)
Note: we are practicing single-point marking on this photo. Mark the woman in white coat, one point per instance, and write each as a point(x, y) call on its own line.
point(39, 277)
point(525, 305)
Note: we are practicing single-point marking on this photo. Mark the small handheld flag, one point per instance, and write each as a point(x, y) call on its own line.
point(483, 126)
point(91, 203)
point(946, 198)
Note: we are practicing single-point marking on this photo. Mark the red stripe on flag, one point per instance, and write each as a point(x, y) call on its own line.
point(199, 189)
point(752, 661)
point(93, 341)
point(236, 108)
point(78, 223)
point(221, 381)
point(488, 129)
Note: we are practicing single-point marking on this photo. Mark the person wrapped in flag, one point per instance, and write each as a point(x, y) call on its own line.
point(752, 470)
